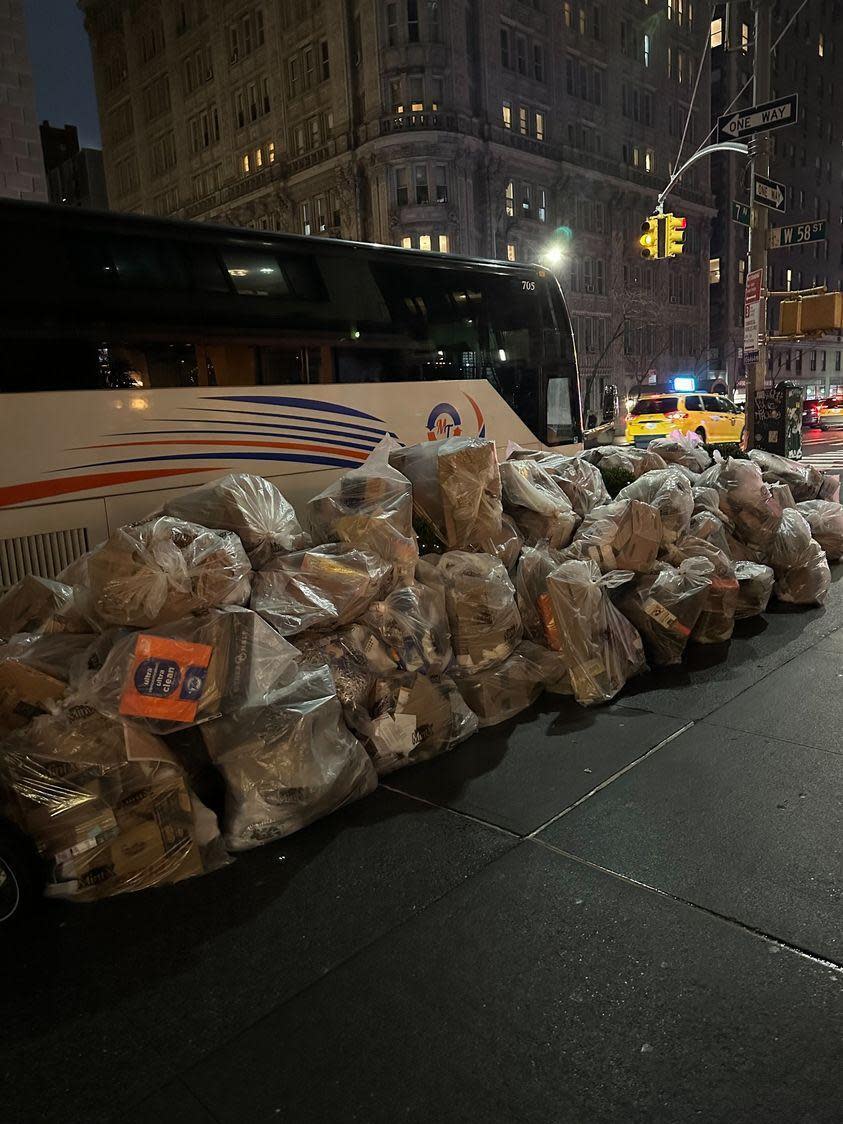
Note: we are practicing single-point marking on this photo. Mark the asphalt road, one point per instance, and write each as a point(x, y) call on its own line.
point(825, 450)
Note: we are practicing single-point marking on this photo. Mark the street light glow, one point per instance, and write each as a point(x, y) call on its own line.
point(553, 255)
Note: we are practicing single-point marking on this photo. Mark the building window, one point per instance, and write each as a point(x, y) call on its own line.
point(568, 16)
point(440, 183)
point(402, 194)
point(416, 93)
point(444, 245)
point(294, 76)
point(505, 55)
point(436, 92)
point(424, 242)
point(413, 21)
point(391, 25)
point(522, 120)
point(434, 25)
point(395, 99)
point(582, 21)
point(511, 256)
point(542, 209)
point(646, 50)
point(521, 54)
point(506, 112)
point(717, 32)
point(245, 163)
point(308, 67)
point(407, 242)
point(539, 122)
point(649, 160)
point(744, 41)
point(299, 139)
point(420, 180)
point(821, 45)
point(538, 62)
point(304, 217)
point(714, 271)
point(509, 197)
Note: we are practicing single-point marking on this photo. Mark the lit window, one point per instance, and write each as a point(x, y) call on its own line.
point(646, 50)
point(788, 279)
point(258, 157)
point(510, 251)
point(714, 271)
point(304, 212)
point(582, 21)
point(568, 13)
point(272, 152)
point(424, 242)
point(821, 45)
point(744, 37)
point(443, 244)
point(506, 110)
point(649, 160)
point(717, 32)
point(510, 198)
point(539, 126)
point(407, 242)
point(246, 163)
point(522, 120)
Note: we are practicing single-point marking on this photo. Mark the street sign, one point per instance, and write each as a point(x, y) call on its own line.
point(759, 118)
point(740, 212)
point(752, 314)
point(796, 235)
point(769, 193)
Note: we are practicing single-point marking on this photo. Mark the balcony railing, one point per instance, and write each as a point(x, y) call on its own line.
point(402, 122)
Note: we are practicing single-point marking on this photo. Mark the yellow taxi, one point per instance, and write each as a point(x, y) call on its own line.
point(714, 418)
point(830, 413)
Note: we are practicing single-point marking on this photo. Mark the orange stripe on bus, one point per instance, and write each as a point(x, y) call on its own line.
point(299, 446)
point(43, 489)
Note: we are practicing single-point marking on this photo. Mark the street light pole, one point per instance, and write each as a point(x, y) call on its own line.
point(758, 215)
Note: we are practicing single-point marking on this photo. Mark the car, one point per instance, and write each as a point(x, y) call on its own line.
point(830, 414)
point(714, 418)
point(21, 873)
point(810, 413)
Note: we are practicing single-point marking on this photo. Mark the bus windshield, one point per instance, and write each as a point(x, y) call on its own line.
point(118, 302)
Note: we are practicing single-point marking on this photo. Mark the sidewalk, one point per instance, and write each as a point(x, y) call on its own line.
point(631, 913)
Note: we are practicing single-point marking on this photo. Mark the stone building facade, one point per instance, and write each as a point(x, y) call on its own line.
point(21, 163)
point(492, 128)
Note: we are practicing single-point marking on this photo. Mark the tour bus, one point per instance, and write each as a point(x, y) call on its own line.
point(141, 356)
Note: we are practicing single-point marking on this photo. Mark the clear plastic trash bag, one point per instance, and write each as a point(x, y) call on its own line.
point(581, 481)
point(799, 562)
point(745, 500)
point(190, 671)
point(251, 507)
point(665, 606)
point(320, 588)
point(480, 601)
point(803, 479)
point(628, 459)
point(287, 762)
point(411, 718)
point(532, 597)
point(39, 605)
point(682, 448)
point(716, 622)
point(755, 587)
point(501, 692)
point(601, 648)
point(149, 573)
point(370, 507)
point(669, 491)
point(107, 805)
point(825, 518)
point(540, 508)
point(622, 535)
point(412, 624)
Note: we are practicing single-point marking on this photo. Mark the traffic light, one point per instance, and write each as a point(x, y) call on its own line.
point(650, 237)
point(675, 235)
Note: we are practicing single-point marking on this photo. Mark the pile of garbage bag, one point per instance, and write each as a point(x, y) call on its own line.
point(218, 675)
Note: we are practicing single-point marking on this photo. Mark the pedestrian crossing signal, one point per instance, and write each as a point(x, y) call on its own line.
point(649, 239)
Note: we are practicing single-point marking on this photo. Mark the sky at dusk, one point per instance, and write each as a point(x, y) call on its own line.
point(61, 65)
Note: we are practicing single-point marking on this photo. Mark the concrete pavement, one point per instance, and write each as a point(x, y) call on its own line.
point(631, 913)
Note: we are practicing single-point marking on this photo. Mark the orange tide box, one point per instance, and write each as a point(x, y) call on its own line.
point(166, 679)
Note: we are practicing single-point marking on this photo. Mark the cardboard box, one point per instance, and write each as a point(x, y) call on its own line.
point(24, 692)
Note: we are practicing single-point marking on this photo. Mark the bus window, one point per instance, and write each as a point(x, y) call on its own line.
point(560, 424)
point(255, 274)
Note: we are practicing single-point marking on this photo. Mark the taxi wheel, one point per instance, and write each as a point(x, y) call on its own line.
point(700, 432)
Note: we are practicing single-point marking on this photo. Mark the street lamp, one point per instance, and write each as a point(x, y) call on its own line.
point(553, 255)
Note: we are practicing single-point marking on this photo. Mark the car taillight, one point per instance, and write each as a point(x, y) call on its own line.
point(675, 415)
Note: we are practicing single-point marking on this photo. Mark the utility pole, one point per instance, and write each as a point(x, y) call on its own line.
point(757, 214)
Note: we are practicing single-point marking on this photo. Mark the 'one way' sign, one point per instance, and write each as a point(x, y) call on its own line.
point(769, 193)
point(759, 118)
